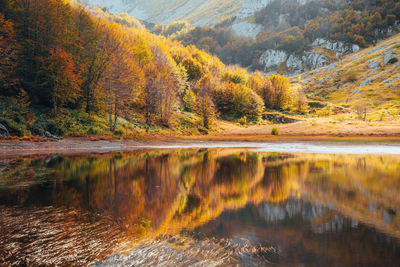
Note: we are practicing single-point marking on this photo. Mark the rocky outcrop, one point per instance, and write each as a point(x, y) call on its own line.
point(339, 48)
point(309, 60)
point(247, 29)
point(294, 64)
point(271, 58)
point(249, 7)
point(314, 60)
point(3, 131)
point(388, 55)
point(51, 136)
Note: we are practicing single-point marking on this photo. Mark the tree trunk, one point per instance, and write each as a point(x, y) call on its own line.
point(110, 116)
point(205, 121)
point(55, 106)
point(115, 111)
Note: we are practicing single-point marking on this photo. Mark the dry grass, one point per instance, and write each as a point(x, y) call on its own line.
point(329, 128)
point(360, 77)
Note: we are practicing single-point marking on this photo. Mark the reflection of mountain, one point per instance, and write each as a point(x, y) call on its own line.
point(364, 188)
point(148, 193)
point(305, 235)
point(275, 213)
point(321, 218)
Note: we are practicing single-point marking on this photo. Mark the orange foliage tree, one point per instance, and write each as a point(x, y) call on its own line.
point(9, 49)
point(63, 78)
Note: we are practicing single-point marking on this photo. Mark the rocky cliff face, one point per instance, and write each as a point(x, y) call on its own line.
point(249, 7)
point(315, 57)
point(339, 48)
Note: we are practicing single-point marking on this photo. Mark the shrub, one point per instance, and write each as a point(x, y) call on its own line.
point(327, 111)
point(316, 104)
point(243, 120)
point(14, 128)
point(118, 133)
point(279, 92)
point(238, 100)
point(275, 131)
point(54, 128)
point(175, 27)
point(36, 130)
point(235, 75)
point(92, 131)
point(351, 76)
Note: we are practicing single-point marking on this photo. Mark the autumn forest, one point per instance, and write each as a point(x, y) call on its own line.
point(71, 71)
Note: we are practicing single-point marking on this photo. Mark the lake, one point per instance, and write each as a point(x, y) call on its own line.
point(200, 207)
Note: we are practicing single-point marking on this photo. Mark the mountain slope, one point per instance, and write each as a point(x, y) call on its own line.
point(208, 12)
point(292, 36)
point(368, 79)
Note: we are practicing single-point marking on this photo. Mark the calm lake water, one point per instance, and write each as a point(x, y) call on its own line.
point(200, 207)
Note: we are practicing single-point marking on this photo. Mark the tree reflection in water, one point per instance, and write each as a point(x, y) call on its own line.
point(317, 205)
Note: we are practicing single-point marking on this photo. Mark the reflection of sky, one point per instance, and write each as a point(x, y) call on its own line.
point(305, 147)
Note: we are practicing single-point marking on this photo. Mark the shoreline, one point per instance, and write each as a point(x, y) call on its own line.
point(294, 138)
point(312, 144)
point(309, 131)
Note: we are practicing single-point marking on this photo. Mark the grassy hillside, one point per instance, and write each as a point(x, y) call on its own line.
point(366, 82)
